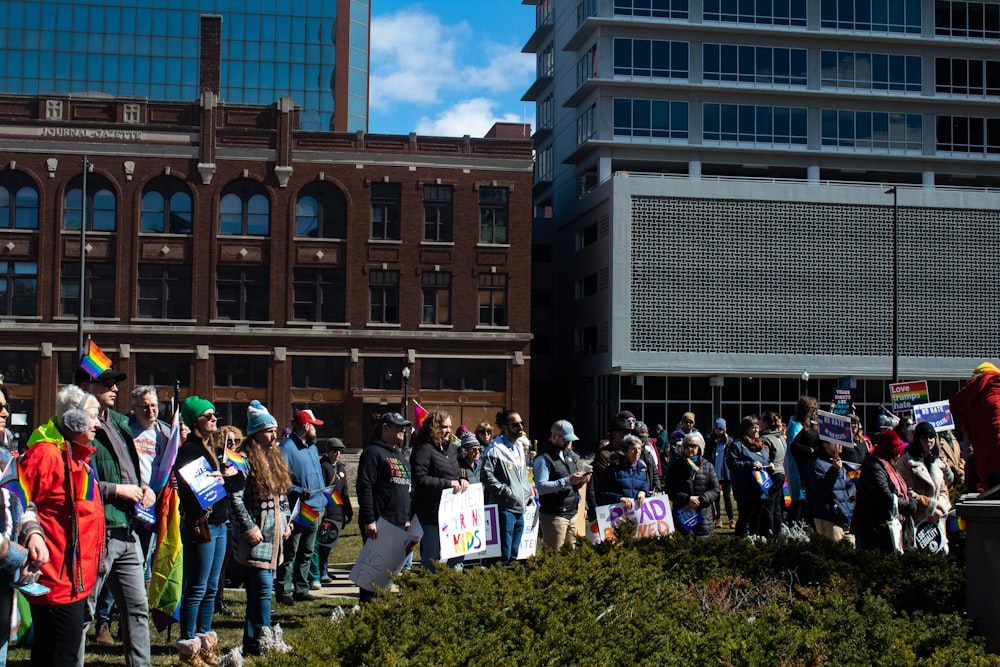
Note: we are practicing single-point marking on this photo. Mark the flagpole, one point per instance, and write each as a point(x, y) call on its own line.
point(85, 163)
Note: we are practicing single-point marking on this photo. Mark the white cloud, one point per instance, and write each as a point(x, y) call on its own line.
point(419, 61)
point(474, 117)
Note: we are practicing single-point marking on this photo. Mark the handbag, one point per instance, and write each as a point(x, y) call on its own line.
point(200, 533)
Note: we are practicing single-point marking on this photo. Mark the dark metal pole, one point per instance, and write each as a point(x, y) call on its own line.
point(85, 163)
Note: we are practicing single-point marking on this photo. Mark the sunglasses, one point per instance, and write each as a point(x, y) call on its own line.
point(209, 416)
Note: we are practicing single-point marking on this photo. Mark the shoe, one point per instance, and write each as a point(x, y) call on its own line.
point(315, 586)
point(103, 635)
point(732, 524)
point(222, 607)
point(286, 599)
point(326, 581)
point(718, 523)
point(305, 597)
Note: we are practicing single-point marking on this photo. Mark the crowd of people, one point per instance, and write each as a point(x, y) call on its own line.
point(78, 538)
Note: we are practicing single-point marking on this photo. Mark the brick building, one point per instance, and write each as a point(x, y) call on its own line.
point(243, 258)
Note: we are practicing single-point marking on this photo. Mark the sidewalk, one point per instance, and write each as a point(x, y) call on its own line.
point(342, 586)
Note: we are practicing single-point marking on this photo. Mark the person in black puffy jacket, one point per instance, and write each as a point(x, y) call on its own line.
point(692, 485)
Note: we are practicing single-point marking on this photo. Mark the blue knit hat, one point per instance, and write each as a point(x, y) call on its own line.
point(258, 418)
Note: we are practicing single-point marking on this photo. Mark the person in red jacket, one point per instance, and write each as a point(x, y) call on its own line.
point(977, 408)
point(71, 514)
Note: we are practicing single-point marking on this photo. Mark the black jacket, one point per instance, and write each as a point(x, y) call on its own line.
point(383, 485)
point(434, 469)
point(877, 504)
point(681, 483)
point(336, 476)
point(191, 449)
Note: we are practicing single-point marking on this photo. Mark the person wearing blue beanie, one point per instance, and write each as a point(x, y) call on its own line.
point(258, 418)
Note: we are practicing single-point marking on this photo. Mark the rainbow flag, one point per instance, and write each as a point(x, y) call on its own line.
point(88, 489)
point(694, 466)
point(333, 496)
point(853, 472)
point(419, 415)
point(94, 361)
point(235, 460)
point(14, 483)
point(168, 561)
point(787, 493)
point(304, 515)
point(763, 479)
point(162, 474)
point(955, 523)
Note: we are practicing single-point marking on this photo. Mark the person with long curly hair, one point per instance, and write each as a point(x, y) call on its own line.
point(261, 514)
point(436, 469)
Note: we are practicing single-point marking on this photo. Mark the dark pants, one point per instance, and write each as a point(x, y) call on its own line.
point(293, 574)
point(753, 519)
point(776, 503)
point(726, 494)
point(58, 633)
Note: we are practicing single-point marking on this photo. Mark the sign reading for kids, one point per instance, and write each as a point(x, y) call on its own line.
point(461, 522)
point(652, 519)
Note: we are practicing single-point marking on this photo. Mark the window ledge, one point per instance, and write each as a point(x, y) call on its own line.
point(388, 325)
point(246, 323)
point(17, 230)
point(14, 319)
point(76, 232)
point(74, 318)
point(162, 320)
point(316, 239)
point(437, 326)
point(248, 237)
point(175, 235)
point(493, 245)
point(386, 241)
point(319, 326)
point(438, 243)
point(491, 327)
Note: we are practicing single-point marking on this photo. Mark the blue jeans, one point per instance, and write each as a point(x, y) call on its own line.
point(511, 529)
point(202, 565)
point(259, 584)
point(430, 548)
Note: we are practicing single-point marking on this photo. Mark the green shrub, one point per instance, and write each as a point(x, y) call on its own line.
point(671, 601)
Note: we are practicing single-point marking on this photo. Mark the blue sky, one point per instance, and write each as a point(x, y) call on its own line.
point(449, 67)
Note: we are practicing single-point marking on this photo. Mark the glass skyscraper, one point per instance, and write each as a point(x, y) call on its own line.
point(316, 51)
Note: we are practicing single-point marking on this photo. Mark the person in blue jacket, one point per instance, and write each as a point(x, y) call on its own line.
point(746, 458)
point(828, 499)
point(624, 481)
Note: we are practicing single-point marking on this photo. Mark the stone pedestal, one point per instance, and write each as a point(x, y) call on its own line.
point(982, 566)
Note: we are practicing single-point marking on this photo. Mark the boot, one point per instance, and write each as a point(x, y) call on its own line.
point(103, 635)
point(188, 650)
point(207, 652)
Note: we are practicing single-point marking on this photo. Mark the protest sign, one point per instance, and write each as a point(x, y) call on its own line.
point(529, 538)
point(906, 394)
point(653, 518)
point(491, 533)
point(207, 488)
point(937, 414)
point(462, 522)
point(835, 428)
point(842, 401)
point(385, 555)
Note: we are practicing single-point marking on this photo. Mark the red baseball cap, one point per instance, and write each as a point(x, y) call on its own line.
point(307, 417)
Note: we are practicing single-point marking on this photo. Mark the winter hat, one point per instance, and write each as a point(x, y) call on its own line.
point(887, 421)
point(468, 439)
point(194, 407)
point(720, 423)
point(258, 418)
point(985, 367)
point(623, 421)
point(922, 429)
point(890, 445)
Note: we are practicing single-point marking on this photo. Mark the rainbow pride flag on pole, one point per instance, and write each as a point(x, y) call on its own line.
point(853, 472)
point(235, 460)
point(162, 474)
point(694, 466)
point(332, 496)
point(419, 415)
point(11, 480)
point(94, 361)
point(304, 515)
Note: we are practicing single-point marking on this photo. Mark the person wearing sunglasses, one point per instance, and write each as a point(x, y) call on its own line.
point(203, 534)
point(227, 437)
point(927, 475)
point(505, 482)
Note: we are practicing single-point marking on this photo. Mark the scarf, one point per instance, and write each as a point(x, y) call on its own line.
point(753, 444)
point(896, 479)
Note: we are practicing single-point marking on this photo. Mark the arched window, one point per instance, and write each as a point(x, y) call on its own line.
point(166, 207)
point(244, 209)
point(101, 205)
point(321, 212)
point(18, 201)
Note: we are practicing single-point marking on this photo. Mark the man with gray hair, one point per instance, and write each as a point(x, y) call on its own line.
point(149, 433)
point(558, 481)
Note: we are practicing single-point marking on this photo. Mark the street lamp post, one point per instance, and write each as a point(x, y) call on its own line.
point(895, 282)
point(406, 402)
point(805, 383)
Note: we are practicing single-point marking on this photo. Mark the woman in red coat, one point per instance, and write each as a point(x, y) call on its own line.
point(71, 514)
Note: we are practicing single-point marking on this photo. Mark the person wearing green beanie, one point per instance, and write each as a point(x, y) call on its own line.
point(194, 407)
